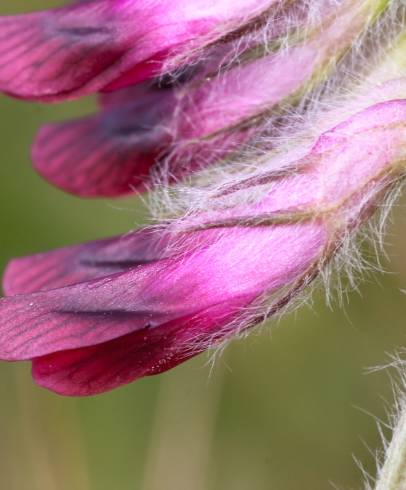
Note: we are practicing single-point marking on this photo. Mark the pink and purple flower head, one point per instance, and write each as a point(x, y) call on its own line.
point(245, 235)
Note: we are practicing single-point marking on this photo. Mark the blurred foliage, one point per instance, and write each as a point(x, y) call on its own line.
point(285, 409)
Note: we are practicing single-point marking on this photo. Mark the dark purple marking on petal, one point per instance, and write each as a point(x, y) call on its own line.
point(106, 155)
point(79, 263)
point(52, 54)
point(88, 313)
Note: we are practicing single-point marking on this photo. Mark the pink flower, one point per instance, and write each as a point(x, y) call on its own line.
point(96, 316)
point(239, 241)
point(99, 45)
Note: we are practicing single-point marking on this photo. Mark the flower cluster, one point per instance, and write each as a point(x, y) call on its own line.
point(267, 132)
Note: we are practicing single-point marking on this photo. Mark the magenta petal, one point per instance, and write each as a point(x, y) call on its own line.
point(106, 155)
point(102, 44)
point(87, 47)
point(96, 369)
point(84, 262)
point(93, 313)
point(151, 295)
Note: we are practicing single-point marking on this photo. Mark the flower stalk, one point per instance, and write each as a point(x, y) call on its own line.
point(392, 475)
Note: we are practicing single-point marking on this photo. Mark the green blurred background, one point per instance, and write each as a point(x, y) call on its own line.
point(287, 409)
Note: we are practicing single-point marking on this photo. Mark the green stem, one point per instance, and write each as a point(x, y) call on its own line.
point(393, 473)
